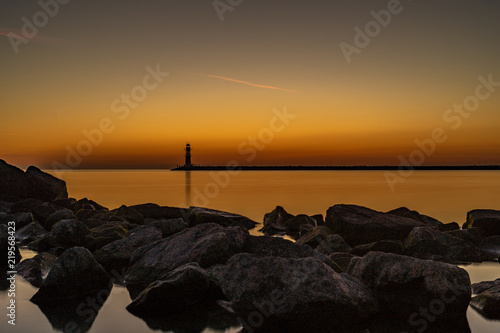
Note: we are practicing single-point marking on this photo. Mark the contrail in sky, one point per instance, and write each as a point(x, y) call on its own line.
point(244, 82)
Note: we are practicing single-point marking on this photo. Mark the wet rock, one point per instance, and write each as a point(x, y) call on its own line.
point(64, 214)
point(207, 244)
point(488, 303)
point(167, 227)
point(360, 225)
point(486, 219)
point(386, 246)
point(478, 288)
point(160, 212)
point(199, 215)
point(315, 237)
point(293, 224)
point(30, 233)
point(491, 248)
point(428, 243)
point(36, 269)
point(333, 243)
point(130, 214)
point(74, 274)
point(116, 255)
point(405, 285)
point(274, 222)
point(412, 214)
point(267, 246)
point(181, 289)
point(299, 295)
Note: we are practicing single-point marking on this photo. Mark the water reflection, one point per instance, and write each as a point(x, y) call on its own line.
point(188, 188)
point(77, 315)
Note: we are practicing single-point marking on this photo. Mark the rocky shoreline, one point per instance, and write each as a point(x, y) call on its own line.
point(353, 270)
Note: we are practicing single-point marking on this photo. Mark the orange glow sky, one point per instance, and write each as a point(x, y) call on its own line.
point(227, 77)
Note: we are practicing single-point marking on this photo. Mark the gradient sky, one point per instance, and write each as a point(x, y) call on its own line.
point(226, 77)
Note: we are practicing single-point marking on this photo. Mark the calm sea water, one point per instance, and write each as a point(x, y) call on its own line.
point(445, 195)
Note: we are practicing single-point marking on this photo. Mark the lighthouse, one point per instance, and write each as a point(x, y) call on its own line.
point(188, 156)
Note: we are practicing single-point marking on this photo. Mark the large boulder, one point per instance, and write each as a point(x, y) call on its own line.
point(490, 247)
point(167, 227)
point(488, 303)
point(294, 295)
point(315, 237)
point(30, 233)
point(387, 246)
point(64, 234)
point(428, 243)
point(181, 289)
point(155, 211)
point(106, 233)
point(116, 255)
point(293, 224)
point(267, 246)
point(361, 225)
point(478, 288)
point(409, 289)
point(472, 235)
point(412, 214)
point(207, 244)
point(36, 269)
point(74, 274)
point(486, 219)
point(130, 214)
point(333, 243)
point(274, 222)
point(64, 214)
point(199, 215)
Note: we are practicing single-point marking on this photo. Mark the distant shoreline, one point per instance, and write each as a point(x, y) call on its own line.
point(338, 168)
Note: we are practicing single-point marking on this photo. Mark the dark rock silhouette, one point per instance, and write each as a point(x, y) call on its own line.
point(488, 303)
point(486, 219)
point(199, 215)
point(36, 269)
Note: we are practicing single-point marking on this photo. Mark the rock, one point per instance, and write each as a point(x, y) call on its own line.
point(198, 215)
point(304, 229)
point(22, 219)
point(25, 205)
point(412, 214)
point(267, 246)
point(6, 218)
point(315, 237)
point(42, 212)
point(319, 219)
point(102, 217)
point(64, 203)
point(86, 204)
point(486, 219)
point(488, 303)
point(30, 233)
point(360, 225)
point(295, 295)
point(342, 259)
point(293, 224)
point(478, 288)
point(449, 227)
point(407, 287)
point(74, 274)
point(13, 181)
point(44, 186)
point(428, 243)
point(64, 214)
point(105, 234)
point(36, 269)
point(160, 212)
point(8, 249)
point(116, 255)
point(386, 246)
point(472, 235)
point(207, 244)
point(274, 222)
point(333, 243)
point(167, 227)
point(68, 233)
point(491, 247)
point(181, 289)
point(130, 214)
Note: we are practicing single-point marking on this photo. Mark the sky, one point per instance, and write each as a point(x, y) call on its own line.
point(126, 84)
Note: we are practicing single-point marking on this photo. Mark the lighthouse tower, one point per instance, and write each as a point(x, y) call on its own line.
point(188, 156)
